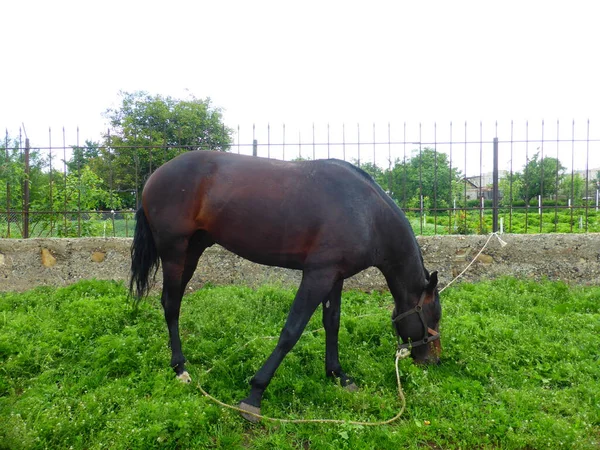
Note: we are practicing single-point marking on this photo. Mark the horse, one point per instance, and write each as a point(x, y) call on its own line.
point(327, 218)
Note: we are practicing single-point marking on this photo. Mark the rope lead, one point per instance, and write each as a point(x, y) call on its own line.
point(401, 354)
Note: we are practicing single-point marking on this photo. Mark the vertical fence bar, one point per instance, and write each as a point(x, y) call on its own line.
point(328, 149)
point(374, 147)
point(389, 159)
point(111, 175)
point(451, 202)
point(136, 160)
point(510, 214)
point(495, 188)
point(26, 192)
point(149, 158)
point(51, 180)
point(269, 140)
point(65, 179)
point(79, 188)
point(587, 177)
point(344, 141)
point(22, 181)
point(7, 185)
point(541, 195)
point(166, 143)
point(557, 181)
point(465, 182)
point(358, 141)
point(404, 170)
point(313, 142)
point(283, 142)
point(573, 172)
point(435, 166)
point(481, 194)
point(526, 187)
point(420, 181)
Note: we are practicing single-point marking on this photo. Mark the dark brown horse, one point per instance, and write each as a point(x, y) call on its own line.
point(326, 218)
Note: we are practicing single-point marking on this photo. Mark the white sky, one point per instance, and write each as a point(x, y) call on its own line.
point(299, 63)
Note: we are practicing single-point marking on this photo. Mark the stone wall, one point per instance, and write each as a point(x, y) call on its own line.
point(573, 258)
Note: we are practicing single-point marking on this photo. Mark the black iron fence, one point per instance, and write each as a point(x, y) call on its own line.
point(449, 179)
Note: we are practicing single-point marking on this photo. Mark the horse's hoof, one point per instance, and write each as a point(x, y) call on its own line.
point(351, 387)
point(184, 377)
point(251, 412)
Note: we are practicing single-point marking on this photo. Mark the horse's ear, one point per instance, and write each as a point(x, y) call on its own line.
point(433, 281)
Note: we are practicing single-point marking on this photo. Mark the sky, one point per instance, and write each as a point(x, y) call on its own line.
point(344, 63)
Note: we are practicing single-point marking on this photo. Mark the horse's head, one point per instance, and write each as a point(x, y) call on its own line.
point(418, 325)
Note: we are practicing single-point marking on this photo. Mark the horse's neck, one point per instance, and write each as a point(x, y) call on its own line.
point(403, 280)
point(400, 258)
point(404, 272)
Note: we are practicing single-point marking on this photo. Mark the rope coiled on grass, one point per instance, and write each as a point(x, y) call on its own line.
point(400, 354)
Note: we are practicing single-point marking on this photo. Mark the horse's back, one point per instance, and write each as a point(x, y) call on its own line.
point(273, 212)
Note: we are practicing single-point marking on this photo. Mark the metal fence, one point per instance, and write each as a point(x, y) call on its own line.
point(449, 178)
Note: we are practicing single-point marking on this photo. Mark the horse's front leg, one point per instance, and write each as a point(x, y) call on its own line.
point(171, 302)
point(331, 323)
point(313, 289)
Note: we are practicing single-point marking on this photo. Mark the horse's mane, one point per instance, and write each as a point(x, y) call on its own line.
point(356, 169)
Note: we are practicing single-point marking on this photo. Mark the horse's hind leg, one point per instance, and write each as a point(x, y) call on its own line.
point(173, 256)
point(199, 242)
point(331, 322)
point(179, 263)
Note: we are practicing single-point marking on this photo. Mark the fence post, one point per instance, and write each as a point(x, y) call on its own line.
point(495, 188)
point(7, 188)
point(254, 147)
point(26, 192)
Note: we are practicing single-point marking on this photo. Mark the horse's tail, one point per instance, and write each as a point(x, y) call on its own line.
point(144, 257)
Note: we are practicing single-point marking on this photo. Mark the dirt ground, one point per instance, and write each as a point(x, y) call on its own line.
point(573, 258)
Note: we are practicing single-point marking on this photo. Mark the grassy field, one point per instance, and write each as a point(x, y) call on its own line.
point(80, 369)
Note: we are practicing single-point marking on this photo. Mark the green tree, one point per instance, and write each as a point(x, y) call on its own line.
point(573, 187)
point(511, 189)
point(13, 176)
point(539, 177)
point(427, 173)
point(146, 131)
point(83, 155)
point(84, 191)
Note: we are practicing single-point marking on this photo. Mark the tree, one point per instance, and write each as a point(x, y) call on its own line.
point(147, 131)
point(511, 189)
point(83, 191)
point(12, 174)
point(83, 155)
point(427, 173)
point(539, 177)
point(573, 187)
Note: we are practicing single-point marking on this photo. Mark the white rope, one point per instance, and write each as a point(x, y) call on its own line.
point(400, 354)
point(502, 243)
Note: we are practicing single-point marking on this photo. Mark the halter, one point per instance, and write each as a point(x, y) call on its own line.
point(429, 334)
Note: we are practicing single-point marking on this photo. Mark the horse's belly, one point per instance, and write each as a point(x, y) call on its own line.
point(266, 246)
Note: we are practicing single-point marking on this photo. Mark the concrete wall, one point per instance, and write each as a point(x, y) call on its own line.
point(574, 258)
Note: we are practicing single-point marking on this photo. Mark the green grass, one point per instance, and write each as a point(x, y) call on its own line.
point(472, 222)
point(80, 369)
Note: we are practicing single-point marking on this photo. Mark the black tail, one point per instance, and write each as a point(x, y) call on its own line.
point(144, 257)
